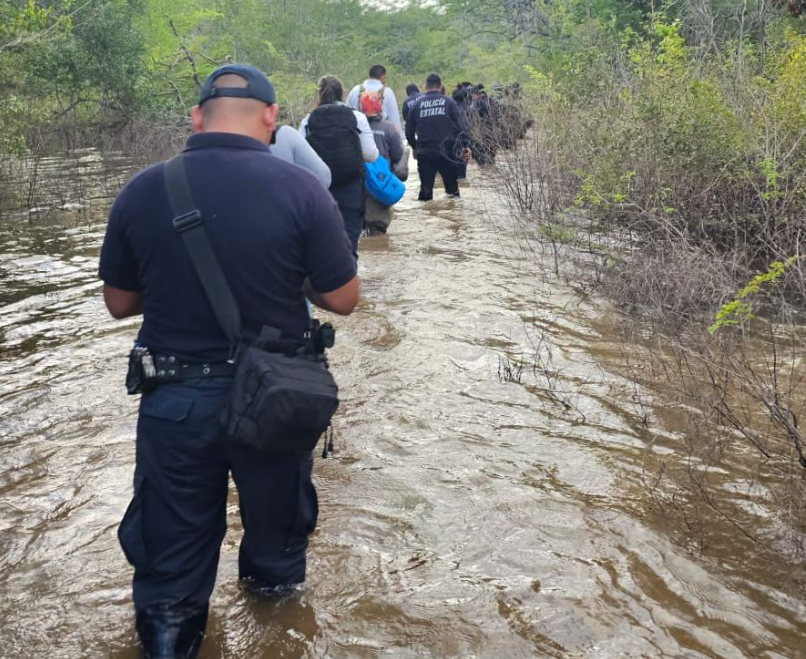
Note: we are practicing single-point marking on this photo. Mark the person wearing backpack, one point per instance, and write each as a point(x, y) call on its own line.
point(287, 144)
point(375, 85)
point(390, 146)
point(343, 139)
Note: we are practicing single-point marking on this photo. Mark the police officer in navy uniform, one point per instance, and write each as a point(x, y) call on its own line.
point(435, 130)
point(278, 237)
point(463, 96)
point(412, 93)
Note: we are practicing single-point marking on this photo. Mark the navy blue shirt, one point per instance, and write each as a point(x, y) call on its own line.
point(435, 125)
point(271, 225)
point(410, 99)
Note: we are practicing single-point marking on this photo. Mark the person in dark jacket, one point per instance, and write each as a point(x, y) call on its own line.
point(513, 119)
point(463, 95)
point(433, 129)
point(412, 94)
point(485, 126)
point(343, 139)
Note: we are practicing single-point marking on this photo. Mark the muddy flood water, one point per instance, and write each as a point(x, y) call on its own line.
point(463, 515)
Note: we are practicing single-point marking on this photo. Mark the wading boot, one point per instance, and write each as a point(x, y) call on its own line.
point(264, 591)
point(171, 631)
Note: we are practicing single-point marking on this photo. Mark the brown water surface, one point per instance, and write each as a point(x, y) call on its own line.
point(462, 515)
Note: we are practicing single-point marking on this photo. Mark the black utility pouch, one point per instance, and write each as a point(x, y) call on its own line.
point(280, 403)
point(141, 378)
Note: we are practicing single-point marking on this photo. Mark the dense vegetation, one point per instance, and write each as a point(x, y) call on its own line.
point(73, 61)
point(669, 145)
point(68, 61)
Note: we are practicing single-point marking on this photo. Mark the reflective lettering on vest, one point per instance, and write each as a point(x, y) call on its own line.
point(433, 107)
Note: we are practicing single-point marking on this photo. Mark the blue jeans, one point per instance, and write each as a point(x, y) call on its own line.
point(173, 528)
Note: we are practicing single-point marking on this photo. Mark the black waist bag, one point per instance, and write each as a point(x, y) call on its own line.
point(280, 402)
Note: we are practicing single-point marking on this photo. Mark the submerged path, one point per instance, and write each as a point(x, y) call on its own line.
point(463, 515)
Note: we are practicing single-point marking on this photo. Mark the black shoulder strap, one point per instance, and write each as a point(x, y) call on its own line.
point(189, 223)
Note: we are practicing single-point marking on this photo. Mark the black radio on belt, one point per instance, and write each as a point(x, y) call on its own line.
point(141, 377)
point(320, 337)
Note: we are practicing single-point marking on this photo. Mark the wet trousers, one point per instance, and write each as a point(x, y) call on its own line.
point(173, 528)
point(350, 199)
point(378, 216)
point(428, 165)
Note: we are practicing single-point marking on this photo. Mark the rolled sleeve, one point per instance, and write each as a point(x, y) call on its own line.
point(118, 264)
point(329, 261)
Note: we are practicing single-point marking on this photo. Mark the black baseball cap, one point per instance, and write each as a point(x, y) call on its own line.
point(257, 84)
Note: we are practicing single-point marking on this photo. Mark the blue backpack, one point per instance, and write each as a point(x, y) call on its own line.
point(381, 183)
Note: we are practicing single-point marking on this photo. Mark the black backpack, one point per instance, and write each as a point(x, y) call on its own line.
point(333, 133)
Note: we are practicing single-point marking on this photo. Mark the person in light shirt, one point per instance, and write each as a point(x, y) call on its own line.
point(377, 83)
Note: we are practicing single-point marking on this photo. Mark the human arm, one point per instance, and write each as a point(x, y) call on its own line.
point(342, 301)
point(411, 126)
point(330, 267)
point(305, 156)
point(118, 267)
point(458, 119)
point(368, 148)
point(455, 115)
point(390, 106)
point(122, 304)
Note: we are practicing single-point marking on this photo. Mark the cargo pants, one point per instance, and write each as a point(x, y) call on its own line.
point(173, 528)
point(429, 163)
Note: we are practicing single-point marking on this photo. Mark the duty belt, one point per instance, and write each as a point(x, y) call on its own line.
point(171, 369)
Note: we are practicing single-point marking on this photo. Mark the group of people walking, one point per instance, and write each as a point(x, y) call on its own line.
point(493, 122)
point(277, 237)
point(343, 135)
